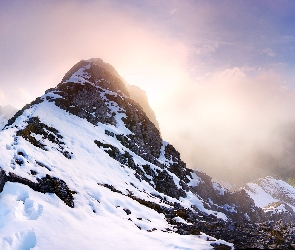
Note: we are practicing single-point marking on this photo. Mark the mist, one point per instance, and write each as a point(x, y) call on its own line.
point(220, 80)
point(41, 41)
point(235, 127)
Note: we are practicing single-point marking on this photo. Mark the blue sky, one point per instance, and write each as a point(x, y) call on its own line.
point(217, 73)
point(243, 33)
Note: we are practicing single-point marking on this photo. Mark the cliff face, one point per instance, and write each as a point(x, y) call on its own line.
point(139, 96)
point(86, 149)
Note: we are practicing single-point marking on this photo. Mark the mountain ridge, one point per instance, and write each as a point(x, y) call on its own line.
point(88, 146)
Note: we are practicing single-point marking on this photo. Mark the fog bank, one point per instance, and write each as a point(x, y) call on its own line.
point(233, 126)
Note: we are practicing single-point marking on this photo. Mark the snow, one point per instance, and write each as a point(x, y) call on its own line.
point(269, 194)
point(179, 219)
point(259, 195)
point(195, 180)
point(223, 184)
point(219, 188)
point(29, 219)
point(276, 208)
point(80, 76)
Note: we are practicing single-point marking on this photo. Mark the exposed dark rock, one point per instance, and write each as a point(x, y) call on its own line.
point(109, 133)
point(3, 179)
point(33, 172)
point(50, 184)
point(85, 101)
point(124, 158)
point(148, 170)
point(111, 187)
point(102, 76)
point(73, 70)
point(46, 184)
point(36, 127)
point(237, 205)
point(146, 138)
point(139, 96)
point(220, 246)
point(165, 184)
point(42, 165)
point(178, 167)
point(127, 211)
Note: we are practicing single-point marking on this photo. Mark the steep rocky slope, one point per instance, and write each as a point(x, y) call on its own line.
point(85, 159)
point(140, 97)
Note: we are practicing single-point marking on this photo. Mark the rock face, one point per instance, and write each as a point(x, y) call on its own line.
point(91, 101)
point(140, 97)
point(87, 140)
point(237, 205)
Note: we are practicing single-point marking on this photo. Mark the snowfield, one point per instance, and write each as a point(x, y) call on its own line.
point(272, 194)
point(31, 220)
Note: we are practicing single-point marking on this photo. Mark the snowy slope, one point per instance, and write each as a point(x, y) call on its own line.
point(70, 182)
point(41, 221)
point(275, 196)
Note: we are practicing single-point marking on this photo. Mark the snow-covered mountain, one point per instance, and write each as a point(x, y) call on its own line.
point(83, 167)
point(275, 197)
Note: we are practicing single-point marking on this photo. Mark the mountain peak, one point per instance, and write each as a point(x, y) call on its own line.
point(106, 66)
point(96, 72)
point(86, 154)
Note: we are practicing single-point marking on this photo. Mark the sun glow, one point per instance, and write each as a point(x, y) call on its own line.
point(159, 82)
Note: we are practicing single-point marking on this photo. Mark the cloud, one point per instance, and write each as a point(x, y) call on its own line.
point(207, 48)
point(268, 52)
point(233, 126)
point(41, 41)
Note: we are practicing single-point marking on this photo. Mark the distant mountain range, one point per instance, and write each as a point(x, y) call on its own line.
point(85, 167)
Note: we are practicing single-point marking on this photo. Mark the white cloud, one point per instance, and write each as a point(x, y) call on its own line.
point(222, 123)
point(207, 48)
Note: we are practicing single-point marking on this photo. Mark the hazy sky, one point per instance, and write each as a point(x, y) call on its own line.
point(219, 74)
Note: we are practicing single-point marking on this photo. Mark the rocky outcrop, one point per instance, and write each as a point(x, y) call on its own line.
point(84, 101)
point(36, 128)
point(139, 96)
point(236, 205)
point(3, 179)
point(46, 184)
